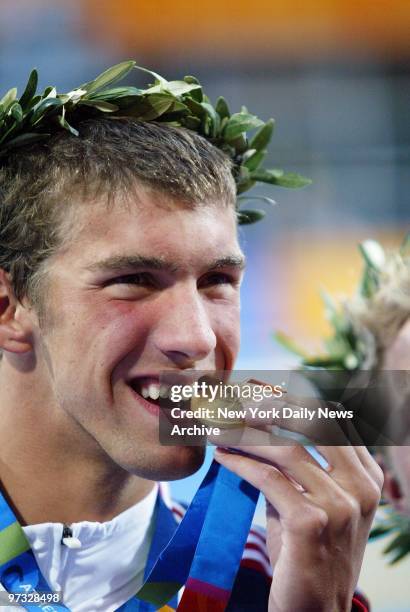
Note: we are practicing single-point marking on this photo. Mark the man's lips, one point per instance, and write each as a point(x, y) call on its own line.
point(152, 406)
point(142, 384)
point(168, 377)
point(163, 402)
point(156, 387)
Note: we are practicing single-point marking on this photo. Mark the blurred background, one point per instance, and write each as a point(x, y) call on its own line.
point(336, 76)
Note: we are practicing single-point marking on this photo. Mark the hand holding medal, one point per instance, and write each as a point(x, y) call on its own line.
point(325, 512)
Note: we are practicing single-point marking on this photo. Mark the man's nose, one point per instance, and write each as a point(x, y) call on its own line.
point(185, 333)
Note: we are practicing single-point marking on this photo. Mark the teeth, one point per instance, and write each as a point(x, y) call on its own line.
point(163, 391)
point(153, 391)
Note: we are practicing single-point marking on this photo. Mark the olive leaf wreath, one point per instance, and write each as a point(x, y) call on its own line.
point(347, 349)
point(34, 117)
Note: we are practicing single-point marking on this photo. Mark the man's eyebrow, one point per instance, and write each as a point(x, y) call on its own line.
point(117, 263)
point(231, 261)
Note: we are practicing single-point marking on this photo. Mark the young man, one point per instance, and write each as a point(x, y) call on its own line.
point(397, 475)
point(385, 315)
point(371, 332)
point(120, 260)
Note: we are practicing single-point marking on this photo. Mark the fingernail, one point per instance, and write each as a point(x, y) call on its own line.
point(221, 451)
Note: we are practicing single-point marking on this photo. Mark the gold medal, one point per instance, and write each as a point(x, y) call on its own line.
point(219, 407)
point(219, 411)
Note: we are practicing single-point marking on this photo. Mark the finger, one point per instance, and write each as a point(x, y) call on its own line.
point(308, 416)
point(296, 511)
point(269, 480)
point(347, 470)
point(341, 459)
point(296, 462)
point(370, 464)
point(321, 502)
point(350, 467)
point(290, 457)
point(363, 455)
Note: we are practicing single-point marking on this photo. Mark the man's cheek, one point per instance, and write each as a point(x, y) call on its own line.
point(122, 327)
point(231, 350)
point(227, 329)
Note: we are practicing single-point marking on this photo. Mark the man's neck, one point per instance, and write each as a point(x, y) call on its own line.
point(48, 479)
point(36, 496)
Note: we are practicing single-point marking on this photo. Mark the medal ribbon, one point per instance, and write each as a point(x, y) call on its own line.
point(203, 553)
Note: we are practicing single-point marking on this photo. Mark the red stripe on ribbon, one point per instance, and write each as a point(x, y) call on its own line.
point(203, 597)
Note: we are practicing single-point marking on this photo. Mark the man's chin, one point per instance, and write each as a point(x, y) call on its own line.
point(171, 463)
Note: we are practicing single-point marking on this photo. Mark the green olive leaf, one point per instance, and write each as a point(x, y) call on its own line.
point(288, 343)
point(101, 105)
point(115, 93)
point(45, 106)
point(248, 153)
point(178, 107)
point(263, 136)
point(158, 78)
point(369, 282)
point(197, 94)
point(239, 123)
point(191, 79)
point(49, 92)
point(373, 254)
point(267, 176)
point(240, 144)
point(196, 108)
point(256, 197)
point(179, 88)
point(113, 74)
point(30, 89)
point(64, 124)
point(333, 362)
point(255, 160)
point(7, 100)
point(379, 530)
point(246, 217)
point(402, 539)
point(192, 123)
point(402, 551)
point(159, 104)
point(214, 118)
point(180, 103)
point(290, 180)
point(16, 112)
point(221, 108)
point(244, 186)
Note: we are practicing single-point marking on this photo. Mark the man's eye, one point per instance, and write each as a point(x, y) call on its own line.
point(218, 278)
point(140, 279)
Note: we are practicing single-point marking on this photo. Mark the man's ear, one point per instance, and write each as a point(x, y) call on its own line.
point(13, 336)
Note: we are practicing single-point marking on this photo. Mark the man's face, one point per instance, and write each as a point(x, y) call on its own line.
point(397, 477)
point(141, 288)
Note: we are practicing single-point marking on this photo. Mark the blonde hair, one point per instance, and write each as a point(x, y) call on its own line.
point(384, 313)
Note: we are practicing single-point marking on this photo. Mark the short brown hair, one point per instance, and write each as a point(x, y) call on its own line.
point(110, 157)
